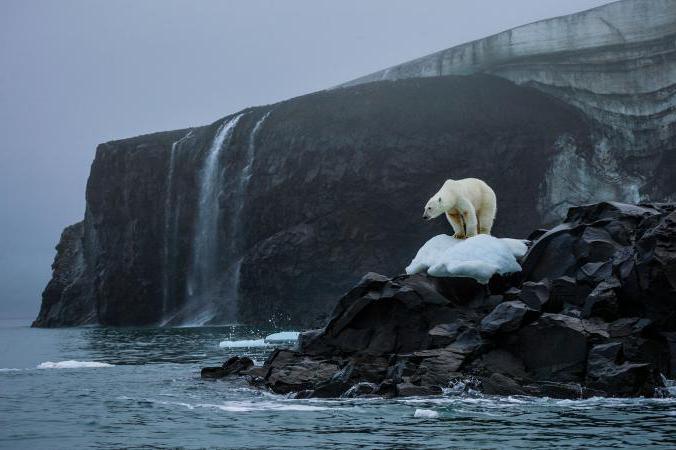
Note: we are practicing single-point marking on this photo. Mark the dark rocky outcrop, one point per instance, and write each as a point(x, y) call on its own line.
point(415, 334)
point(233, 366)
point(307, 193)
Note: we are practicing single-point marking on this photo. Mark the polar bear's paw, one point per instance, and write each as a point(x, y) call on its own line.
point(460, 236)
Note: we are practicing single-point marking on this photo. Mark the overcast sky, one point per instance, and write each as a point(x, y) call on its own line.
point(77, 73)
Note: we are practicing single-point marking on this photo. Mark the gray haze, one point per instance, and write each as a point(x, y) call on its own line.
point(77, 73)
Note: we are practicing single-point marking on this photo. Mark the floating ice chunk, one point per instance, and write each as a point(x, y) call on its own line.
point(478, 257)
point(284, 336)
point(425, 414)
point(245, 343)
point(275, 338)
point(72, 364)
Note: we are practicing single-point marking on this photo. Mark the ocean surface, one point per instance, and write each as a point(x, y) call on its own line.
point(138, 387)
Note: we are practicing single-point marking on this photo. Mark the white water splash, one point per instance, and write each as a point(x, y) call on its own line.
point(203, 281)
point(240, 406)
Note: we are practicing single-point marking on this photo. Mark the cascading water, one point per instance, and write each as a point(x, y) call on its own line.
point(204, 284)
point(170, 229)
point(236, 218)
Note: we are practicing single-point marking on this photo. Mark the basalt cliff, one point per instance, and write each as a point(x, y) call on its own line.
point(269, 214)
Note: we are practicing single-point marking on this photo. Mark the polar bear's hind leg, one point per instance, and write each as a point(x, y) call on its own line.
point(486, 216)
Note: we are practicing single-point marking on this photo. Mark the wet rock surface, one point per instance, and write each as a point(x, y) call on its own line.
point(415, 335)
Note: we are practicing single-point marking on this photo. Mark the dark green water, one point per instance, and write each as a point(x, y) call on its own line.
point(151, 395)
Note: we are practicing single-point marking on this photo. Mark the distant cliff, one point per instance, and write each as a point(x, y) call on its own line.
point(269, 214)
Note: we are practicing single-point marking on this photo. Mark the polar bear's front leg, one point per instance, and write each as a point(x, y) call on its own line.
point(458, 226)
point(469, 216)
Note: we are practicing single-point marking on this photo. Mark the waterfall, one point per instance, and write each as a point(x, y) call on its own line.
point(236, 240)
point(170, 229)
point(204, 283)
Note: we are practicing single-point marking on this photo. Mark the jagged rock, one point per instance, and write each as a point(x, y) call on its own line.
point(671, 344)
point(554, 348)
point(572, 391)
point(608, 371)
point(564, 290)
point(412, 335)
point(233, 366)
point(444, 334)
point(537, 296)
point(411, 390)
point(498, 384)
point(602, 301)
point(508, 317)
point(627, 326)
point(290, 372)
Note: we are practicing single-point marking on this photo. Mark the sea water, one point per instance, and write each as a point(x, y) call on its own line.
point(140, 387)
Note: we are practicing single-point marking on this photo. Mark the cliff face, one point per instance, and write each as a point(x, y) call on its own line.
point(616, 63)
point(269, 214)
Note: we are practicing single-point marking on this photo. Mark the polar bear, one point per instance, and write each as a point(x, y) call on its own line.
point(469, 205)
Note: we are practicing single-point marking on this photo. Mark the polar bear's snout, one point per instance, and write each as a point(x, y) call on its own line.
point(427, 214)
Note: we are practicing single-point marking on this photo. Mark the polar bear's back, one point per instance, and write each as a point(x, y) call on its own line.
point(476, 190)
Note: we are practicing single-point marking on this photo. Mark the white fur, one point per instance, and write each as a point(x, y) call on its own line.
point(469, 204)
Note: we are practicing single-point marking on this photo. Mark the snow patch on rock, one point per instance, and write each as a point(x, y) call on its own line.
point(479, 257)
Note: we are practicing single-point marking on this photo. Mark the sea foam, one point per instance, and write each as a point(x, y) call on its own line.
point(72, 364)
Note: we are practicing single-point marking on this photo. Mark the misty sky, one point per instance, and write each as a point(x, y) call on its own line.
point(77, 73)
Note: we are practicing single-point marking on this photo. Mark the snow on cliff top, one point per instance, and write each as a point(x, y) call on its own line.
point(478, 257)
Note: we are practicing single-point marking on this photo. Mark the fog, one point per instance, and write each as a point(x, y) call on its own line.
point(77, 73)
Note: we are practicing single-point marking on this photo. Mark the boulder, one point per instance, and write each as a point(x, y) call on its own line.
point(554, 348)
point(508, 317)
point(499, 384)
point(602, 301)
point(537, 296)
point(233, 366)
point(608, 371)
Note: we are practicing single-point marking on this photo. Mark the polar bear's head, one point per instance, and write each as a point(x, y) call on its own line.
point(440, 202)
point(433, 208)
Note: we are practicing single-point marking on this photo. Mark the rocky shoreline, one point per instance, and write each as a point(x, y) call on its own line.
point(592, 313)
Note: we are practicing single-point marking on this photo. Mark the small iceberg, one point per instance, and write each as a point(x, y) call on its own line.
point(284, 336)
point(479, 257)
point(72, 364)
point(245, 343)
point(271, 339)
point(425, 414)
